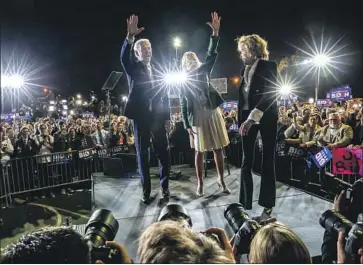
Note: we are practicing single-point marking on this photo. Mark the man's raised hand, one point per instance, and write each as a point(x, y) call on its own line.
point(132, 29)
point(215, 24)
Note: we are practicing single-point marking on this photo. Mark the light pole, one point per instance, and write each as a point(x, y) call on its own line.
point(177, 43)
point(320, 61)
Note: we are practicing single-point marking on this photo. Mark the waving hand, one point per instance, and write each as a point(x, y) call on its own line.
point(132, 29)
point(215, 23)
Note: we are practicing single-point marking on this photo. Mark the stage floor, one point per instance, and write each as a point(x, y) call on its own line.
point(295, 208)
point(298, 210)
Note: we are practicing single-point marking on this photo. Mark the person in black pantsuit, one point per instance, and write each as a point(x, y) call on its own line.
point(147, 107)
point(257, 112)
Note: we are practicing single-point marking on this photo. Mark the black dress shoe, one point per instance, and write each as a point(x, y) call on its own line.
point(145, 198)
point(267, 212)
point(165, 193)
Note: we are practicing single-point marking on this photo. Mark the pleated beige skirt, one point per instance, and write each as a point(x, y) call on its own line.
point(210, 131)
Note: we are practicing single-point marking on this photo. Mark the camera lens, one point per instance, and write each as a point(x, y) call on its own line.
point(236, 216)
point(333, 221)
point(175, 212)
point(101, 227)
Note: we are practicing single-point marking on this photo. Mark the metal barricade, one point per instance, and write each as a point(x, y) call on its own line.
point(303, 173)
point(39, 173)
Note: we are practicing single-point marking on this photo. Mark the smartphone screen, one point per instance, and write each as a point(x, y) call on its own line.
point(348, 194)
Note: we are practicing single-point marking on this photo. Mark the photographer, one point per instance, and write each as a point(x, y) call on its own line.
point(276, 243)
point(168, 242)
point(272, 243)
point(54, 245)
point(333, 243)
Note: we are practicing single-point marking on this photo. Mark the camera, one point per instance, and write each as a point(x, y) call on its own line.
point(177, 213)
point(332, 221)
point(101, 227)
point(243, 226)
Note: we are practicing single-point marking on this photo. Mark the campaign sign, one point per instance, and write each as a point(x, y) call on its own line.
point(321, 103)
point(339, 94)
point(294, 152)
point(322, 157)
point(7, 117)
point(229, 105)
point(120, 149)
point(347, 161)
point(88, 115)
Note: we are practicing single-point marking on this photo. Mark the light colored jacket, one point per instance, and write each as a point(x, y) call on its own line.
point(343, 137)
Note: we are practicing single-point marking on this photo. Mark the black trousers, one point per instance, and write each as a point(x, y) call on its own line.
point(156, 132)
point(267, 197)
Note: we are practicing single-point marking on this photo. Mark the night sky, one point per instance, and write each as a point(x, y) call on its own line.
point(77, 43)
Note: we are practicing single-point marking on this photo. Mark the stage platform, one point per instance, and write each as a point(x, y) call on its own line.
point(295, 208)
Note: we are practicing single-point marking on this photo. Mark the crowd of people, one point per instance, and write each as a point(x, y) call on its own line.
point(41, 139)
point(336, 126)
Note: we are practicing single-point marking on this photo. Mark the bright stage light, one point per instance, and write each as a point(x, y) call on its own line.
point(285, 89)
point(175, 78)
point(64, 113)
point(79, 96)
point(51, 108)
point(64, 101)
point(320, 60)
point(79, 102)
point(52, 102)
point(14, 81)
point(177, 42)
point(311, 100)
point(124, 98)
point(65, 107)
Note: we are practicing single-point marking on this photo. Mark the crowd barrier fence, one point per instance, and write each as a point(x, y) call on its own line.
point(301, 169)
point(34, 176)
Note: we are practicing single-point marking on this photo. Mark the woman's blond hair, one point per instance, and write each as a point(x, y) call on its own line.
point(168, 242)
point(188, 59)
point(256, 44)
point(276, 243)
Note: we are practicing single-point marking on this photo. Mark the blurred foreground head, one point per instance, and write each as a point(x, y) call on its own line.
point(51, 245)
point(276, 243)
point(168, 242)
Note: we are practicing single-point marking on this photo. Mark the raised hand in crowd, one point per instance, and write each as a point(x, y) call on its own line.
point(124, 255)
point(223, 240)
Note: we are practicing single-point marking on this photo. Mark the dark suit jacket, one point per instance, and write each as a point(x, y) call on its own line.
point(22, 150)
point(262, 94)
point(141, 89)
point(202, 74)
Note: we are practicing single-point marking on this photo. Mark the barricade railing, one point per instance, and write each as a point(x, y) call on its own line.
point(40, 173)
point(324, 174)
point(35, 175)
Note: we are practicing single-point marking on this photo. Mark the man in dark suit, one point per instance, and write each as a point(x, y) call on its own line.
point(147, 107)
point(257, 112)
